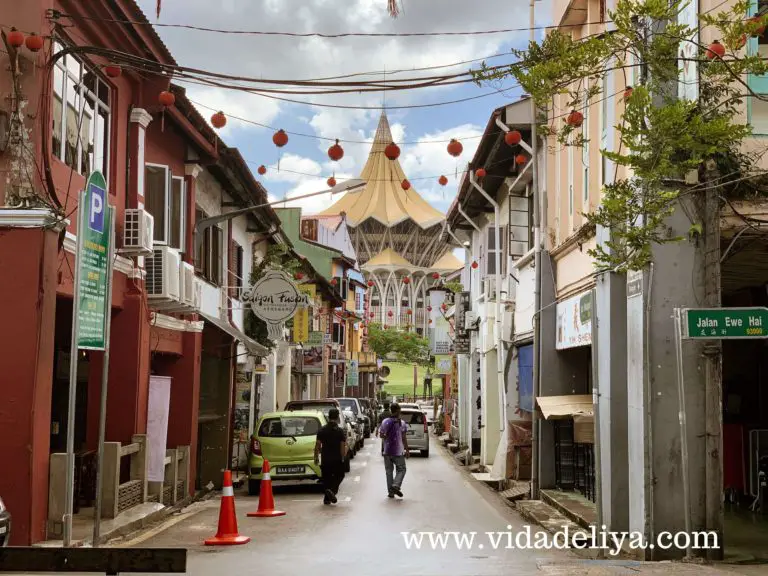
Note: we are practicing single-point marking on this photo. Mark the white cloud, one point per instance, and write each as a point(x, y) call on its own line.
point(313, 204)
point(293, 168)
point(232, 103)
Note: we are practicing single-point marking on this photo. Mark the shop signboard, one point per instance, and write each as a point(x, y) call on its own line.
point(312, 360)
point(461, 342)
point(274, 298)
point(574, 321)
point(302, 317)
point(443, 364)
point(353, 377)
point(315, 338)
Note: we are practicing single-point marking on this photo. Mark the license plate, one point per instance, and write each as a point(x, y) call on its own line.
point(411, 433)
point(289, 469)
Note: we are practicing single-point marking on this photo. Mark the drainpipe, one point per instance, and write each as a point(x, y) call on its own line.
point(499, 349)
point(537, 244)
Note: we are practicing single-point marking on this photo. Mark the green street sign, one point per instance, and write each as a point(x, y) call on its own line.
point(94, 235)
point(725, 323)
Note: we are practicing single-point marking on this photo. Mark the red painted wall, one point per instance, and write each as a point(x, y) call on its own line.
point(27, 305)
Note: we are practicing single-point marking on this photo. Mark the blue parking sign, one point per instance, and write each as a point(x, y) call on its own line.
point(96, 208)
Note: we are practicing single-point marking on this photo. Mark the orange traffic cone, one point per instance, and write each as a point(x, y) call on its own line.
point(266, 500)
point(227, 534)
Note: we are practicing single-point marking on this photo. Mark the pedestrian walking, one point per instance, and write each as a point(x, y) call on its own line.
point(394, 432)
point(383, 416)
point(331, 453)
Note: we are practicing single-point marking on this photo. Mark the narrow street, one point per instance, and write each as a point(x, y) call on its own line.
point(362, 533)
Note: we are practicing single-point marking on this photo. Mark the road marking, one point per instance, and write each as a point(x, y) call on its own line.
point(356, 479)
point(348, 499)
point(364, 463)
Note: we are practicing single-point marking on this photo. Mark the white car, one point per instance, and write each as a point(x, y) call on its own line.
point(418, 433)
point(409, 406)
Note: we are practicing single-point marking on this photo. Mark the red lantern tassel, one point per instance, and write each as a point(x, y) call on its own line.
point(162, 121)
point(394, 10)
point(158, 8)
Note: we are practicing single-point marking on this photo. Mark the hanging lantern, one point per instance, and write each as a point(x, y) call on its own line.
point(575, 119)
point(392, 151)
point(370, 283)
point(480, 173)
point(628, 93)
point(741, 42)
point(15, 38)
point(34, 43)
point(299, 275)
point(512, 138)
point(444, 306)
point(455, 148)
point(475, 265)
point(331, 182)
point(166, 98)
point(280, 138)
point(218, 120)
point(521, 159)
point(336, 152)
point(715, 50)
point(113, 70)
point(390, 314)
point(429, 308)
point(442, 180)
point(334, 281)
point(409, 312)
point(262, 170)
point(405, 185)
point(372, 314)
point(406, 280)
point(757, 20)
point(430, 320)
point(435, 275)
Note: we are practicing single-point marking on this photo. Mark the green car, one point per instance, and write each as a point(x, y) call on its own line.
point(287, 441)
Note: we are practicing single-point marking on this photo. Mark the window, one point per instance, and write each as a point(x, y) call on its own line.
point(343, 285)
point(238, 269)
point(81, 116)
point(604, 126)
point(208, 261)
point(585, 155)
point(490, 254)
point(570, 180)
point(289, 426)
point(165, 199)
point(339, 330)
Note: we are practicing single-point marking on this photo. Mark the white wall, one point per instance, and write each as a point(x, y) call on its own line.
point(525, 299)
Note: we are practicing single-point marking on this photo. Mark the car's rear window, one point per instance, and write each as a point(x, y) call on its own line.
point(296, 406)
point(412, 417)
point(349, 405)
point(289, 426)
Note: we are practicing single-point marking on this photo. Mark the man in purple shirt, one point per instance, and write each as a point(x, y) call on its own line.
point(393, 430)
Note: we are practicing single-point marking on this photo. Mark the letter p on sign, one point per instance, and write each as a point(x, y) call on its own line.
point(96, 209)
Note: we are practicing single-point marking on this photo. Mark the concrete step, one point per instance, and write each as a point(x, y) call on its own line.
point(573, 505)
point(453, 447)
point(517, 491)
point(546, 516)
point(486, 478)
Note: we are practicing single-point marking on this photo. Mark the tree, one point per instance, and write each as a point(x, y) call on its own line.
point(663, 138)
point(402, 346)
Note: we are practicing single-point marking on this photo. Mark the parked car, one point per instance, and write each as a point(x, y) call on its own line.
point(354, 431)
point(323, 404)
point(368, 409)
point(418, 433)
point(5, 525)
point(357, 409)
point(347, 421)
point(410, 406)
point(287, 440)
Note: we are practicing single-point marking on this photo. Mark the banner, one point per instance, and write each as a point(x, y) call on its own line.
point(352, 373)
point(439, 333)
point(158, 407)
point(462, 340)
point(574, 321)
point(302, 317)
point(95, 233)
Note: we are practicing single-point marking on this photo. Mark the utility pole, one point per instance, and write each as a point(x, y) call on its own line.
point(535, 459)
point(713, 360)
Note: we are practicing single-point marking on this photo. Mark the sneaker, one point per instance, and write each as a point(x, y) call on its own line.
point(391, 495)
point(329, 497)
point(334, 499)
point(397, 492)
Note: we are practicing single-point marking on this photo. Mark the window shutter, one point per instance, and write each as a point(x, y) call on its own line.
point(232, 269)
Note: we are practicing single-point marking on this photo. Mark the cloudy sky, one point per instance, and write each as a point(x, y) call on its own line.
point(277, 57)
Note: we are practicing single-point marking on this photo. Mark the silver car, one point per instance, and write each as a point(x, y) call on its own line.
point(418, 433)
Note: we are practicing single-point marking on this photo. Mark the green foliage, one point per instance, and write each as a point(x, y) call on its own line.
point(398, 345)
point(454, 287)
point(662, 138)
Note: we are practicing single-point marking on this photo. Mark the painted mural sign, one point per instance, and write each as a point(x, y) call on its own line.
point(274, 298)
point(574, 321)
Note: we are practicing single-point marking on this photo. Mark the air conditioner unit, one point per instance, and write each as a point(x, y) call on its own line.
point(187, 284)
point(163, 274)
point(488, 287)
point(197, 297)
point(138, 232)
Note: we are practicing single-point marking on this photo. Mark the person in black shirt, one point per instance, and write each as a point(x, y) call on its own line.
point(383, 416)
point(331, 453)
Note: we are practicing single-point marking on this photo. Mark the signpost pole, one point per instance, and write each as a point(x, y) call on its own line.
point(683, 427)
point(69, 496)
point(104, 378)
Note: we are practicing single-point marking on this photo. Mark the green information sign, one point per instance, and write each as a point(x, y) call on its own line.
point(315, 339)
point(353, 377)
point(94, 235)
point(725, 323)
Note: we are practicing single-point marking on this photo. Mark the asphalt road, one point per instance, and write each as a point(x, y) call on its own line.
point(361, 535)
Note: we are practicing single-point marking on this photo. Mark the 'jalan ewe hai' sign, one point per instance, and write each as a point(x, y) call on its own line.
point(274, 299)
point(725, 323)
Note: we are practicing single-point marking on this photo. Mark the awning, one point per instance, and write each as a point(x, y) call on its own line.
point(554, 407)
point(253, 347)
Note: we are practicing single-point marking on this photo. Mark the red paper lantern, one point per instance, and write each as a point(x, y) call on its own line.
point(334, 281)
point(299, 275)
point(435, 275)
point(628, 93)
point(405, 185)
point(166, 98)
point(409, 312)
point(442, 180)
point(390, 314)
point(444, 306)
point(575, 119)
point(15, 38)
point(455, 148)
point(113, 70)
point(262, 170)
point(370, 283)
point(512, 138)
point(430, 320)
point(521, 159)
point(761, 27)
point(280, 138)
point(475, 265)
point(372, 314)
point(742, 41)
point(406, 280)
point(480, 173)
point(34, 42)
point(331, 182)
point(429, 308)
point(336, 152)
point(715, 50)
point(392, 151)
point(218, 120)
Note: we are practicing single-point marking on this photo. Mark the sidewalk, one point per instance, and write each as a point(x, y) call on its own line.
point(633, 568)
